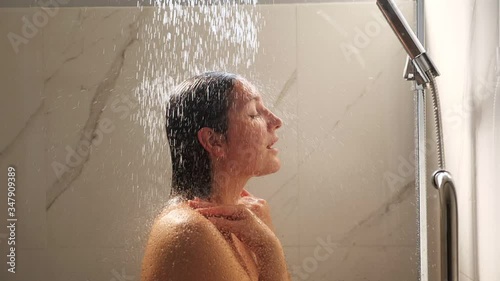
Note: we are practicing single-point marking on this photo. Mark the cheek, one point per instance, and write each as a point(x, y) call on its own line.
point(250, 132)
point(248, 139)
point(248, 145)
point(256, 130)
point(254, 138)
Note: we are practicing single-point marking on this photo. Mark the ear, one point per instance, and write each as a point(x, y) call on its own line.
point(212, 141)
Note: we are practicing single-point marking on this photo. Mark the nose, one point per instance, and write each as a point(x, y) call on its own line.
point(275, 122)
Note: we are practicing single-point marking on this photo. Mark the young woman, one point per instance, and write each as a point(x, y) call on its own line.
point(220, 135)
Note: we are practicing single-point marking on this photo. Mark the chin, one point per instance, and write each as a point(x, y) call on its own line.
point(271, 168)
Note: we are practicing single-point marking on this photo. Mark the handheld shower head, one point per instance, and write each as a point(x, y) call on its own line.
point(401, 28)
point(421, 62)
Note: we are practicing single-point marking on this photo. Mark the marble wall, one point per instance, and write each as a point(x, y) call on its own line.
point(82, 99)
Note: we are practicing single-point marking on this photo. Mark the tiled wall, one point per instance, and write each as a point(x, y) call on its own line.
point(333, 72)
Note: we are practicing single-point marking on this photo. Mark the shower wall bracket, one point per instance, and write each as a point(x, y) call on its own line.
point(418, 69)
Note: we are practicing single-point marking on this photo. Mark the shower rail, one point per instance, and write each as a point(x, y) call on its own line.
point(419, 68)
point(449, 225)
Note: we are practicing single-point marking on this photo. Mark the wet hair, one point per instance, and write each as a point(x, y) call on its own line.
point(200, 101)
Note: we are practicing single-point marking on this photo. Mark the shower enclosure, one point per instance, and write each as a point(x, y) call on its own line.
point(83, 99)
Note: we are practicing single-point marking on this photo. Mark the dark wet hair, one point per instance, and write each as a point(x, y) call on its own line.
point(200, 101)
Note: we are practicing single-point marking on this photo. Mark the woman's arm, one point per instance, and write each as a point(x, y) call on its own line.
point(272, 263)
point(238, 219)
point(258, 206)
point(187, 249)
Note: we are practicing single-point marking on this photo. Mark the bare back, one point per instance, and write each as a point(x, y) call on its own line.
point(184, 245)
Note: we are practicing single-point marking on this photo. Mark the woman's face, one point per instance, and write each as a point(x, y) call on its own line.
point(251, 134)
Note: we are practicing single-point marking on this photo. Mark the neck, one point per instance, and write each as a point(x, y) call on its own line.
point(226, 190)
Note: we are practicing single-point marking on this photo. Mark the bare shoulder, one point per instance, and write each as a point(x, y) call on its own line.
point(183, 245)
point(177, 224)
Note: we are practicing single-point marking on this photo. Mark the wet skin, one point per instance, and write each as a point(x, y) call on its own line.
point(223, 237)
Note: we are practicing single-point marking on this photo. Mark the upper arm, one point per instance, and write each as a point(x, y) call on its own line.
point(189, 250)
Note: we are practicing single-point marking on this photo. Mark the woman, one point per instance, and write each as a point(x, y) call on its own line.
point(220, 135)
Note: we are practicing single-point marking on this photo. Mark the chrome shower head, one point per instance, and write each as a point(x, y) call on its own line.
point(408, 39)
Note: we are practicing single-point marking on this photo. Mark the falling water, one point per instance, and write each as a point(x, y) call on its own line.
point(177, 41)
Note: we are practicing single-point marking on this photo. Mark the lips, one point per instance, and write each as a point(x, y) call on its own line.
point(272, 143)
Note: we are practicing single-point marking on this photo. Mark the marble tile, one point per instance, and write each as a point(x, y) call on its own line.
point(357, 263)
point(393, 224)
point(81, 70)
point(292, 257)
point(330, 193)
point(24, 125)
point(92, 264)
point(355, 121)
point(274, 68)
point(22, 79)
point(337, 71)
point(113, 198)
